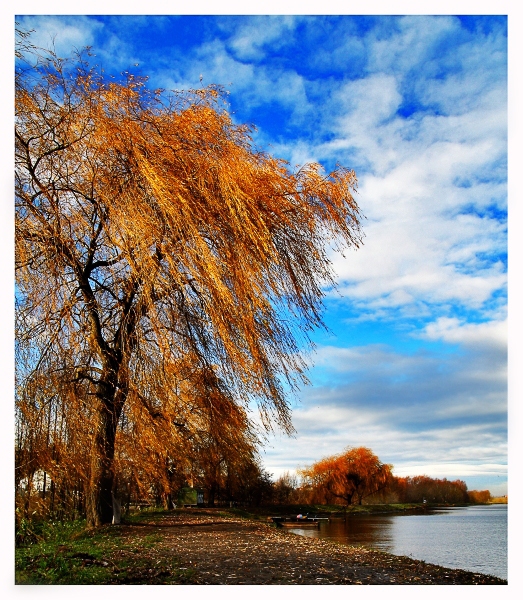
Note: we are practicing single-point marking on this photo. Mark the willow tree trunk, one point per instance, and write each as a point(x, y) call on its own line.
point(99, 492)
point(212, 494)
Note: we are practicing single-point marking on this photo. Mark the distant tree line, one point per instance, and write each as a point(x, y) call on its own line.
point(479, 497)
point(357, 476)
point(219, 460)
point(426, 489)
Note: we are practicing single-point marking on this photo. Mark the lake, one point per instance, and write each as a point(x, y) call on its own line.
point(473, 538)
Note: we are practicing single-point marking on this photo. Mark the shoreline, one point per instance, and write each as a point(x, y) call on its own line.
point(219, 547)
point(227, 550)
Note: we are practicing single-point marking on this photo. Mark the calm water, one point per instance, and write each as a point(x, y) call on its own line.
point(472, 538)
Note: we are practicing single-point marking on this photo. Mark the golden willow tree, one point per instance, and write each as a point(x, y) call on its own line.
point(154, 244)
point(355, 474)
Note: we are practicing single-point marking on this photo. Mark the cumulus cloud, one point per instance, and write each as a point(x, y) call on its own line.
point(427, 234)
point(432, 184)
point(254, 34)
point(491, 334)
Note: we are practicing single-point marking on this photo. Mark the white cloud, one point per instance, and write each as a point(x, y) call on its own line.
point(454, 331)
point(368, 102)
point(424, 186)
point(410, 45)
point(254, 85)
point(447, 451)
point(416, 240)
point(250, 39)
point(452, 471)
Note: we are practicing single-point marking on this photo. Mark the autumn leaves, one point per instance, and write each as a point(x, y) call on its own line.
point(157, 252)
point(348, 477)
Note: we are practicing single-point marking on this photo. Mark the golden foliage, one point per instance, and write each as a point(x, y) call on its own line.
point(157, 248)
point(354, 474)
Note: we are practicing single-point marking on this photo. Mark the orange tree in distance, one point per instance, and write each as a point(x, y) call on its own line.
point(353, 475)
point(150, 229)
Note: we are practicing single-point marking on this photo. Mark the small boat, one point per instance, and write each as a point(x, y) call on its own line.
point(296, 523)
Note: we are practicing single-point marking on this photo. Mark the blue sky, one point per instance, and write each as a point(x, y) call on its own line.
point(415, 363)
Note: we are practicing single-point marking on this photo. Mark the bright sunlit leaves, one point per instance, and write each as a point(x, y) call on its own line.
point(348, 477)
point(157, 251)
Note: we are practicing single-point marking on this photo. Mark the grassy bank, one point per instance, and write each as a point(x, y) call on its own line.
point(67, 553)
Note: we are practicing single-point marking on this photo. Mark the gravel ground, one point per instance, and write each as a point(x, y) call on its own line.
point(225, 551)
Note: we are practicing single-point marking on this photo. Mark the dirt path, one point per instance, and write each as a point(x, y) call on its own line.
point(218, 550)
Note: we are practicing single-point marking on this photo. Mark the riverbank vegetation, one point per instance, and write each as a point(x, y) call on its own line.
point(68, 553)
point(358, 476)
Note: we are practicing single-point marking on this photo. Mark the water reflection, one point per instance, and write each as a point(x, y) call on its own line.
point(471, 538)
point(365, 530)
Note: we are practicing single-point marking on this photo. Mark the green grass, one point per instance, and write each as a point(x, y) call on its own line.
point(149, 514)
point(67, 553)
